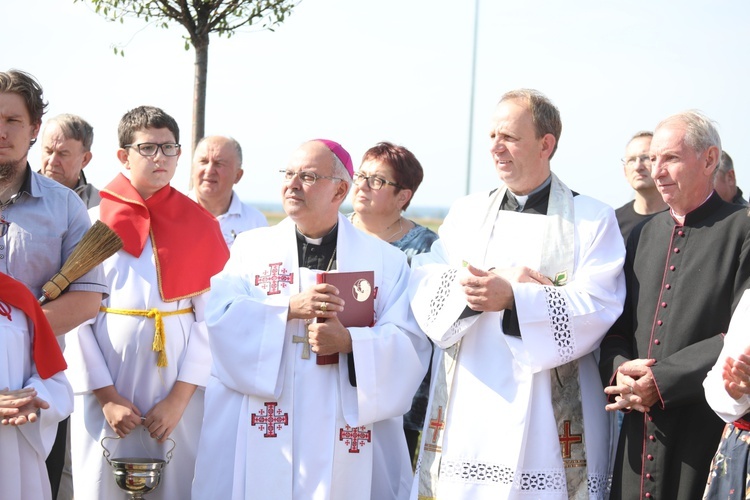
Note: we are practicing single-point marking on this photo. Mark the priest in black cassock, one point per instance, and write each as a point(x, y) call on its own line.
point(685, 271)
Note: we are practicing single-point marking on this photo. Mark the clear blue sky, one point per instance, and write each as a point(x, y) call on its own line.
point(400, 70)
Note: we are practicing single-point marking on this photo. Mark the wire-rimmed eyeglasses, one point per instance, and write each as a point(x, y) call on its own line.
point(151, 148)
point(632, 160)
point(308, 178)
point(373, 181)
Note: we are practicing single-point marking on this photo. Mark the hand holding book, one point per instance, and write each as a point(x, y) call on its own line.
point(358, 292)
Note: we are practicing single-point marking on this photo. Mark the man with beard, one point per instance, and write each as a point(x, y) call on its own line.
point(41, 221)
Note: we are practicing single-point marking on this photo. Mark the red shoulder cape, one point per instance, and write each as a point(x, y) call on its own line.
point(46, 352)
point(188, 244)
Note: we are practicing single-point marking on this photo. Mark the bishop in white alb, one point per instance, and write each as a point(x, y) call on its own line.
point(277, 424)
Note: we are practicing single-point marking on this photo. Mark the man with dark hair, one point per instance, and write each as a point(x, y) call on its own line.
point(685, 270)
point(636, 165)
point(41, 221)
point(725, 181)
point(145, 358)
point(66, 150)
point(517, 293)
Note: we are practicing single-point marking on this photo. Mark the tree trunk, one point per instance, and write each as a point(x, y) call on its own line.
point(199, 99)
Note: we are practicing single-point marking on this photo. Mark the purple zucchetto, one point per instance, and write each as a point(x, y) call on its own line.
point(340, 153)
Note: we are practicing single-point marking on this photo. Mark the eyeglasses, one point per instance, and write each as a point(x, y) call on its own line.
point(151, 148)
point(373, 181)
point(632, 160)
point(307, 178)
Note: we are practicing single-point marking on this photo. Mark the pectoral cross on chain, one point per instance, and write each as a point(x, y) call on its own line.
point(297, 339)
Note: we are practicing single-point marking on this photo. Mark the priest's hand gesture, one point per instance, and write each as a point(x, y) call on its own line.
point(162, 419)
point(491, 290)
point(319, 301)
point(329, 337)
point(122, 415)
point(736, 374)
point(635, 387)
point(21, 406)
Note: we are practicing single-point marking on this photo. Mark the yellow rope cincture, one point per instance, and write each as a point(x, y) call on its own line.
point(159, 338)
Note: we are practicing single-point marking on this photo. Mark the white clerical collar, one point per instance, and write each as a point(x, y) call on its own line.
point(681, 218)
point(522, 199)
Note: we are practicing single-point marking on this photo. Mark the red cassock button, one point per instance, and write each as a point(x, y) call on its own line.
point(664, 304)
point(660, 322)
point(681, 233)
point(676, 250)
point(668, 286)
point(650, 457)
point(657, 341)
point(652, 437)
point(672, 268)
point(648, 476)
point(648, 495)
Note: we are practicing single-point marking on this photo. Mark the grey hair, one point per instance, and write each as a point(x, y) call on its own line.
point(639, 135)
point(232, 140)
point(726, 164)
point(700, 132)
point(544, 115)
point(74, 127)
point(340, 171)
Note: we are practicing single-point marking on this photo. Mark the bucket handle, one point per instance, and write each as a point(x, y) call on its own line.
point(107, 453)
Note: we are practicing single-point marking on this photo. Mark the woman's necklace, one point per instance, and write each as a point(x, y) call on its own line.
point(400, 228)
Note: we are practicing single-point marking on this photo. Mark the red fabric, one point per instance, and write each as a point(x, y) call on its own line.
point(48, 358)
point(741, 423)
point(190, 248)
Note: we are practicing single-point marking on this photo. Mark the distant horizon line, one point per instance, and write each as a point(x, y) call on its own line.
point(423, 211)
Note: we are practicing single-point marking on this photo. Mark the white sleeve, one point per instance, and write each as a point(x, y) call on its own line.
point(735, 342)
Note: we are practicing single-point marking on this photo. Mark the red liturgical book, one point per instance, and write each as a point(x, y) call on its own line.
point(357, 288)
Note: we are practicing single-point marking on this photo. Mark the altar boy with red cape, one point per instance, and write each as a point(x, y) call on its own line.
point(139, 370)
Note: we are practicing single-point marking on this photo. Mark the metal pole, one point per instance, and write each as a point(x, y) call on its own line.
point(471, 96)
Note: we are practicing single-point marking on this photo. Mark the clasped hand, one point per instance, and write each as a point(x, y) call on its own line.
point(322, 301)
point(20, 406)
point(635, 388)
point(491, 290)
point(736, 374)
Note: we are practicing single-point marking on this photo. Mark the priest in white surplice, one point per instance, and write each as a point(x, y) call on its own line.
point(518, 292)
point(278, 424)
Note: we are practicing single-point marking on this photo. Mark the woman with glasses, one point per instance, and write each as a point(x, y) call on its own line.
point(384, 186)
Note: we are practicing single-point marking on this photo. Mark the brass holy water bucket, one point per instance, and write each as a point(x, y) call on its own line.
point(137, 476)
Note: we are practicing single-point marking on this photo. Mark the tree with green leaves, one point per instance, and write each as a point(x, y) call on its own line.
point(200, 18)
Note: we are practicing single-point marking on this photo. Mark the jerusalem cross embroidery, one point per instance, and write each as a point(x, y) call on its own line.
point(269, 420)
point(567, 440)
point(437, 424)
point(5, 310)
point(355, 438)
point(272, 279)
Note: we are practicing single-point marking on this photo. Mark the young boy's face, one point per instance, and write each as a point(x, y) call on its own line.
point(148, 174)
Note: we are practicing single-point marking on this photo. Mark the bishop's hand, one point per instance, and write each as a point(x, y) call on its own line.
point(329, 337)
point(319, 301)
